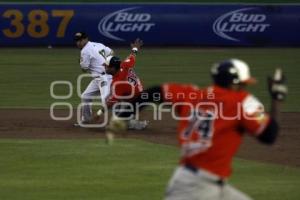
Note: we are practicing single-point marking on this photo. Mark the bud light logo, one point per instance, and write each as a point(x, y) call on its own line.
point(124, 21)
point(235, 24)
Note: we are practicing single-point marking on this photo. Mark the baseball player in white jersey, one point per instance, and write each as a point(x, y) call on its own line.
point(92, 59)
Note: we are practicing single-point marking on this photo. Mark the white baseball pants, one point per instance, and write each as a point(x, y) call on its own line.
point(98, 88)
point(188, 185)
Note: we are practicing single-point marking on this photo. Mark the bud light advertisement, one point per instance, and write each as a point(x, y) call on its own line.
point(241, 23)
point(157, 24)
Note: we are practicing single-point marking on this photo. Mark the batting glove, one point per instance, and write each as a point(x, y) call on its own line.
point(277, 86)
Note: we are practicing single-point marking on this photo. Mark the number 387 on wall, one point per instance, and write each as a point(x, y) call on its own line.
point(38, 26)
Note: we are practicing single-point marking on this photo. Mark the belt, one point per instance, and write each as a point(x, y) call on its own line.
point(103, 73)
point(196, 170)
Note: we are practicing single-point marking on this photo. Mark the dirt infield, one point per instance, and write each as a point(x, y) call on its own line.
point(35, 123)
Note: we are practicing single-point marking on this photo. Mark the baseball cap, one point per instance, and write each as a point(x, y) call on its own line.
point(79, 36)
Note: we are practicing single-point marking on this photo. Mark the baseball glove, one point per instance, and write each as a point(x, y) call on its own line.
point(277, 86)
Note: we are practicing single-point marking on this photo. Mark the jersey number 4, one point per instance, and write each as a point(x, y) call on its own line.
point(201, 124)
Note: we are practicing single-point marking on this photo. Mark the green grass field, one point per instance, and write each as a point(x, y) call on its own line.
point(128, 170)
point(131, 169)
point(26, 74)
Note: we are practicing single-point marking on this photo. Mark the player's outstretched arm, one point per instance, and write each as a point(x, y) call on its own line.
point(278, 92)
point(136, 46)
point(129, 62)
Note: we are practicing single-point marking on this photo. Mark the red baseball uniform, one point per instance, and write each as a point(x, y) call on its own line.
point(125, 84)
point(215, 120)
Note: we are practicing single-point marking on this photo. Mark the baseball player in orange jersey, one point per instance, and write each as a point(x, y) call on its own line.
point(211, 128)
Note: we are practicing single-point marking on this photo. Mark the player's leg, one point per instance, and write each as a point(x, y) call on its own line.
point(186, 185)
point(87, 96)
point(134, 124)
point(231, 193)
point(109, 79)
point(137, 124)
point(104, 83)
point(104, 86)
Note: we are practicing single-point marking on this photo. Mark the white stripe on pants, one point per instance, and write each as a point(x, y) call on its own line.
point(187, 185)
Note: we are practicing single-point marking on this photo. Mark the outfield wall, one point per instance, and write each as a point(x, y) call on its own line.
point(157, 24)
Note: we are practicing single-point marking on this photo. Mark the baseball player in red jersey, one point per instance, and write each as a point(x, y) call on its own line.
point(211, 126)
point(126, 85)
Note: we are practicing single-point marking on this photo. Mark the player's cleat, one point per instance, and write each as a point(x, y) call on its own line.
point(76, 125)
point(137, 125)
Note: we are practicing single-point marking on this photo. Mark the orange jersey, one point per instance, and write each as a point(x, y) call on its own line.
point(125, 84)
point(213, 120)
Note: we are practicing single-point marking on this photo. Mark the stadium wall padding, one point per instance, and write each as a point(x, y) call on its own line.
point(30, 24)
